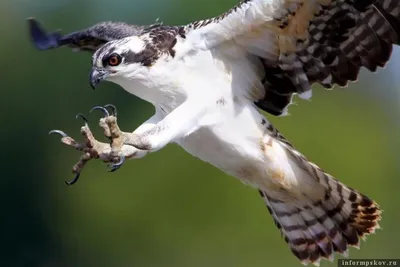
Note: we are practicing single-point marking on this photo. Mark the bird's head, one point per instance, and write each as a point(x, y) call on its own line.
point(122, 59)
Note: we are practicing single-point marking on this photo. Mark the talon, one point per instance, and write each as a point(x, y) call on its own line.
point(83, 117)
point(116, 166)
point(106, 114)
point(71, 182)
point(113, 109)
point(63, 134)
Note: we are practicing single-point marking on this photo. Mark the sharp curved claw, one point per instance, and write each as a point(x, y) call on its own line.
point(105, 111)
point(83, 117)
point(116, 166)
point(58, 132)
point(113, 109)
point(71, 182)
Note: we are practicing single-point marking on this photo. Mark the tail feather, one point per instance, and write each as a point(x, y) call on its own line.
point(316, 229)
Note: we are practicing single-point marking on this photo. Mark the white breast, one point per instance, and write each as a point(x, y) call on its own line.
point(233, 144)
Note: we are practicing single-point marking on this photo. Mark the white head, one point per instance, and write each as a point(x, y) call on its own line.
point(129, 58)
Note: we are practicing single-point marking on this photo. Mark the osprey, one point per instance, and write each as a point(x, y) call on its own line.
point(208, 81)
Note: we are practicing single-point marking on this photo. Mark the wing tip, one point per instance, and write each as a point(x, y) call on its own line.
point(40, 38)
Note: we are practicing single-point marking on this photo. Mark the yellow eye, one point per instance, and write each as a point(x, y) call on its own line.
point(114, 60)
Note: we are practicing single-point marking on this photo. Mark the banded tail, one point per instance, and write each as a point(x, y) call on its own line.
point(316, 229)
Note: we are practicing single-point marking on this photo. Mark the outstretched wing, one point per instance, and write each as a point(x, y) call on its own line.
point(301, 42)
point(89, 39)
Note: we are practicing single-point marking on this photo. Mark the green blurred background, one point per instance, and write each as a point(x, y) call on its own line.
point(168, 209)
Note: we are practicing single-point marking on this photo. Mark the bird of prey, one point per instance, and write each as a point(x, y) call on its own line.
point(210, 79)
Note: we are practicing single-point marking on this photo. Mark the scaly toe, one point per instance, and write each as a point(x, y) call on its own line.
point(111, 120)
point(104, 125)
point(77, 168)
point(66, 139)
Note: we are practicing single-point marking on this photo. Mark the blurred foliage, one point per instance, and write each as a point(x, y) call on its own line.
point(168, 209)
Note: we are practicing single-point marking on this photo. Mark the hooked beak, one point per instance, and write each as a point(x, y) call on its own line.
point(96, 76)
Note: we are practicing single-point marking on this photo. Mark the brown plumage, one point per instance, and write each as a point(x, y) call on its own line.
point(343, 37)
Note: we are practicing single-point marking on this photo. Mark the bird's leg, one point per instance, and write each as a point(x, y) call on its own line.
point(151, 136)
point(181, 121)
point(113, 133)
point(118, 149)
point(113, 154)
